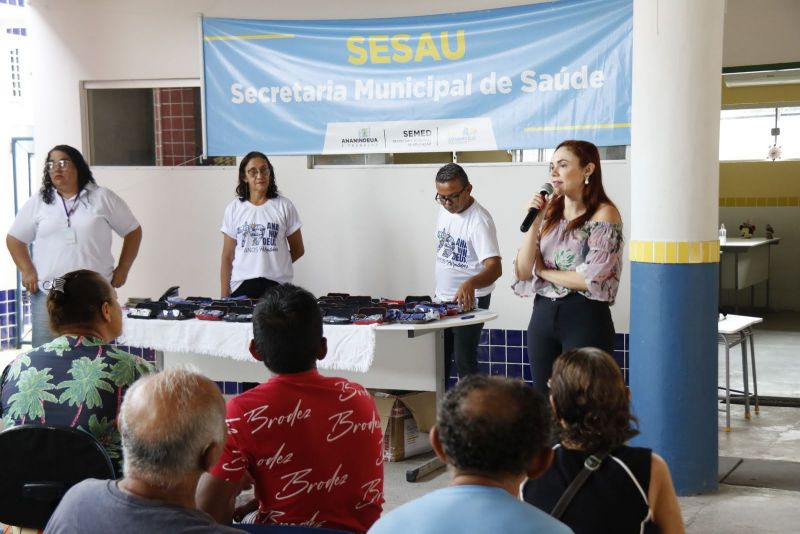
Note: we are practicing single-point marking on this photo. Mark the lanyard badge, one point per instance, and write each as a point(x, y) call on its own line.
point(70, 236)
point(70, 211)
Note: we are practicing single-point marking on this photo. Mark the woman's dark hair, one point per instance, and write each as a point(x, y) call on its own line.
point(243, 190)
point(591, 400)
point(593, 193)
point(81, 300)
point(84, 172)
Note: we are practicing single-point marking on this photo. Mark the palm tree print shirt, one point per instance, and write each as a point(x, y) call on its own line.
point(73, 381)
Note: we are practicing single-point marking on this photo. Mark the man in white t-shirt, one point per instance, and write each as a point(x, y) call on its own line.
point(467, 262)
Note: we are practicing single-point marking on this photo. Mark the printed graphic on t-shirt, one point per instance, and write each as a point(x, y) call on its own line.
point(269, 434)
point(451, 252)
point(253, 237)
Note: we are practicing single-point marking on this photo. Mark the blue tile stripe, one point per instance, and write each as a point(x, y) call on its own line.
point(148, 354)
point(505, 353)
point(9, 318)
point(507, 358)
point(234, 388)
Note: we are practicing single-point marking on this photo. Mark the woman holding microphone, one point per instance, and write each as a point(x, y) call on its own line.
point(571, 259)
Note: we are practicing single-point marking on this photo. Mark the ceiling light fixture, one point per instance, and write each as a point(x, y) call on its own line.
point(764, 77)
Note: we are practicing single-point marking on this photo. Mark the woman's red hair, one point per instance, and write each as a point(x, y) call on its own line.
point(593, 194)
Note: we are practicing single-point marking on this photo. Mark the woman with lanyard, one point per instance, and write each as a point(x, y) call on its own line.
point(69, 224)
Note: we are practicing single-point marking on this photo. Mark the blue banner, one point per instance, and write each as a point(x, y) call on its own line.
point(519, 77)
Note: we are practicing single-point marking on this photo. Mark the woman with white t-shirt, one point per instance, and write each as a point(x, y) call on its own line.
point(261, 236)
point(69, 223)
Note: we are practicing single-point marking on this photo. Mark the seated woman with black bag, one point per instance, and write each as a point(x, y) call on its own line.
point(596, 483)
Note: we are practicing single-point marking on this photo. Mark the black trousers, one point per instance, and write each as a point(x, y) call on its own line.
point(559, 325)
point(461, 344)
point(254, 288)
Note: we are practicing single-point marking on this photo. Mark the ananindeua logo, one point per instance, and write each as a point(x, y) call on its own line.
point(363, 138)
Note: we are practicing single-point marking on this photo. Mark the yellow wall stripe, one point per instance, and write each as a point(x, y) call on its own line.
point(675, 251)
point(758, 202)
point(248, 37)
point(577, 127)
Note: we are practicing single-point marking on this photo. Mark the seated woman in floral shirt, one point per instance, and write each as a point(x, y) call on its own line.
point(571, 259)
point(78, 379)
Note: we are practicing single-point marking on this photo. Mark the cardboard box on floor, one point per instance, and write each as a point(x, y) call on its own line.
point(406, 419)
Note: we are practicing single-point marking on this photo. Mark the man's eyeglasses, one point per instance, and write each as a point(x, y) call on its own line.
point(444, 199)
point(263, 171)
point(60, 165)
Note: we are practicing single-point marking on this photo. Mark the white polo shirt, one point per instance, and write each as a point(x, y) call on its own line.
point(85, 243)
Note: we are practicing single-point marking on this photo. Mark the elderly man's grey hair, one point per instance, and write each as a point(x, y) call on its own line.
point(167, 421)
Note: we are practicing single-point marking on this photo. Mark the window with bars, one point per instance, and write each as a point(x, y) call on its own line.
point(16, 74)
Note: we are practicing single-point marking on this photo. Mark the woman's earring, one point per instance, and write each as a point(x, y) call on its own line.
point(586, 180)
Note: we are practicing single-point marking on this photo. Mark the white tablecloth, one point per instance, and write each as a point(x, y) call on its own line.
point(350, 347)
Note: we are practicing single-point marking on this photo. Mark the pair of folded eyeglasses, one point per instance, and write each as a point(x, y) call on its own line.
point(141, 313)
point(174, 314)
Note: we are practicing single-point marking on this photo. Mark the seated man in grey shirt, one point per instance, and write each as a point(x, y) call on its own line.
point(173, 428)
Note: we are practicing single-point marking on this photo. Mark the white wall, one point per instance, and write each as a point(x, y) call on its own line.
point(367, 230)
point(761, 32)
point(16, 120)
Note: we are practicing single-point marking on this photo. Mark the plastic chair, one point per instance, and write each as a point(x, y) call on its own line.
point(285, 529)
point(735, 330)
point(38, 464)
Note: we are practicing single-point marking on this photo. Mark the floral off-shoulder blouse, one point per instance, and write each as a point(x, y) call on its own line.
point(594, 251)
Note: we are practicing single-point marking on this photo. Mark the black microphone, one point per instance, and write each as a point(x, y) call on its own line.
point(546, 189)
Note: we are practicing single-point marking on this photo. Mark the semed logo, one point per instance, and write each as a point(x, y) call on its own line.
point(417, 133)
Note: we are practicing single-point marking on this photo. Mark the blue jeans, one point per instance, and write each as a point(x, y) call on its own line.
point(40, 319)
point(461, 344)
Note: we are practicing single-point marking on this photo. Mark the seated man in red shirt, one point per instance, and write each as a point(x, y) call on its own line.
point(311, 443)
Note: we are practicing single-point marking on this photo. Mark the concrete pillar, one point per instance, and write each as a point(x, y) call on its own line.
point(674, 251)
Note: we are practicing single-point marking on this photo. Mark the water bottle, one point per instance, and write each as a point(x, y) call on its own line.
point(723, 234)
